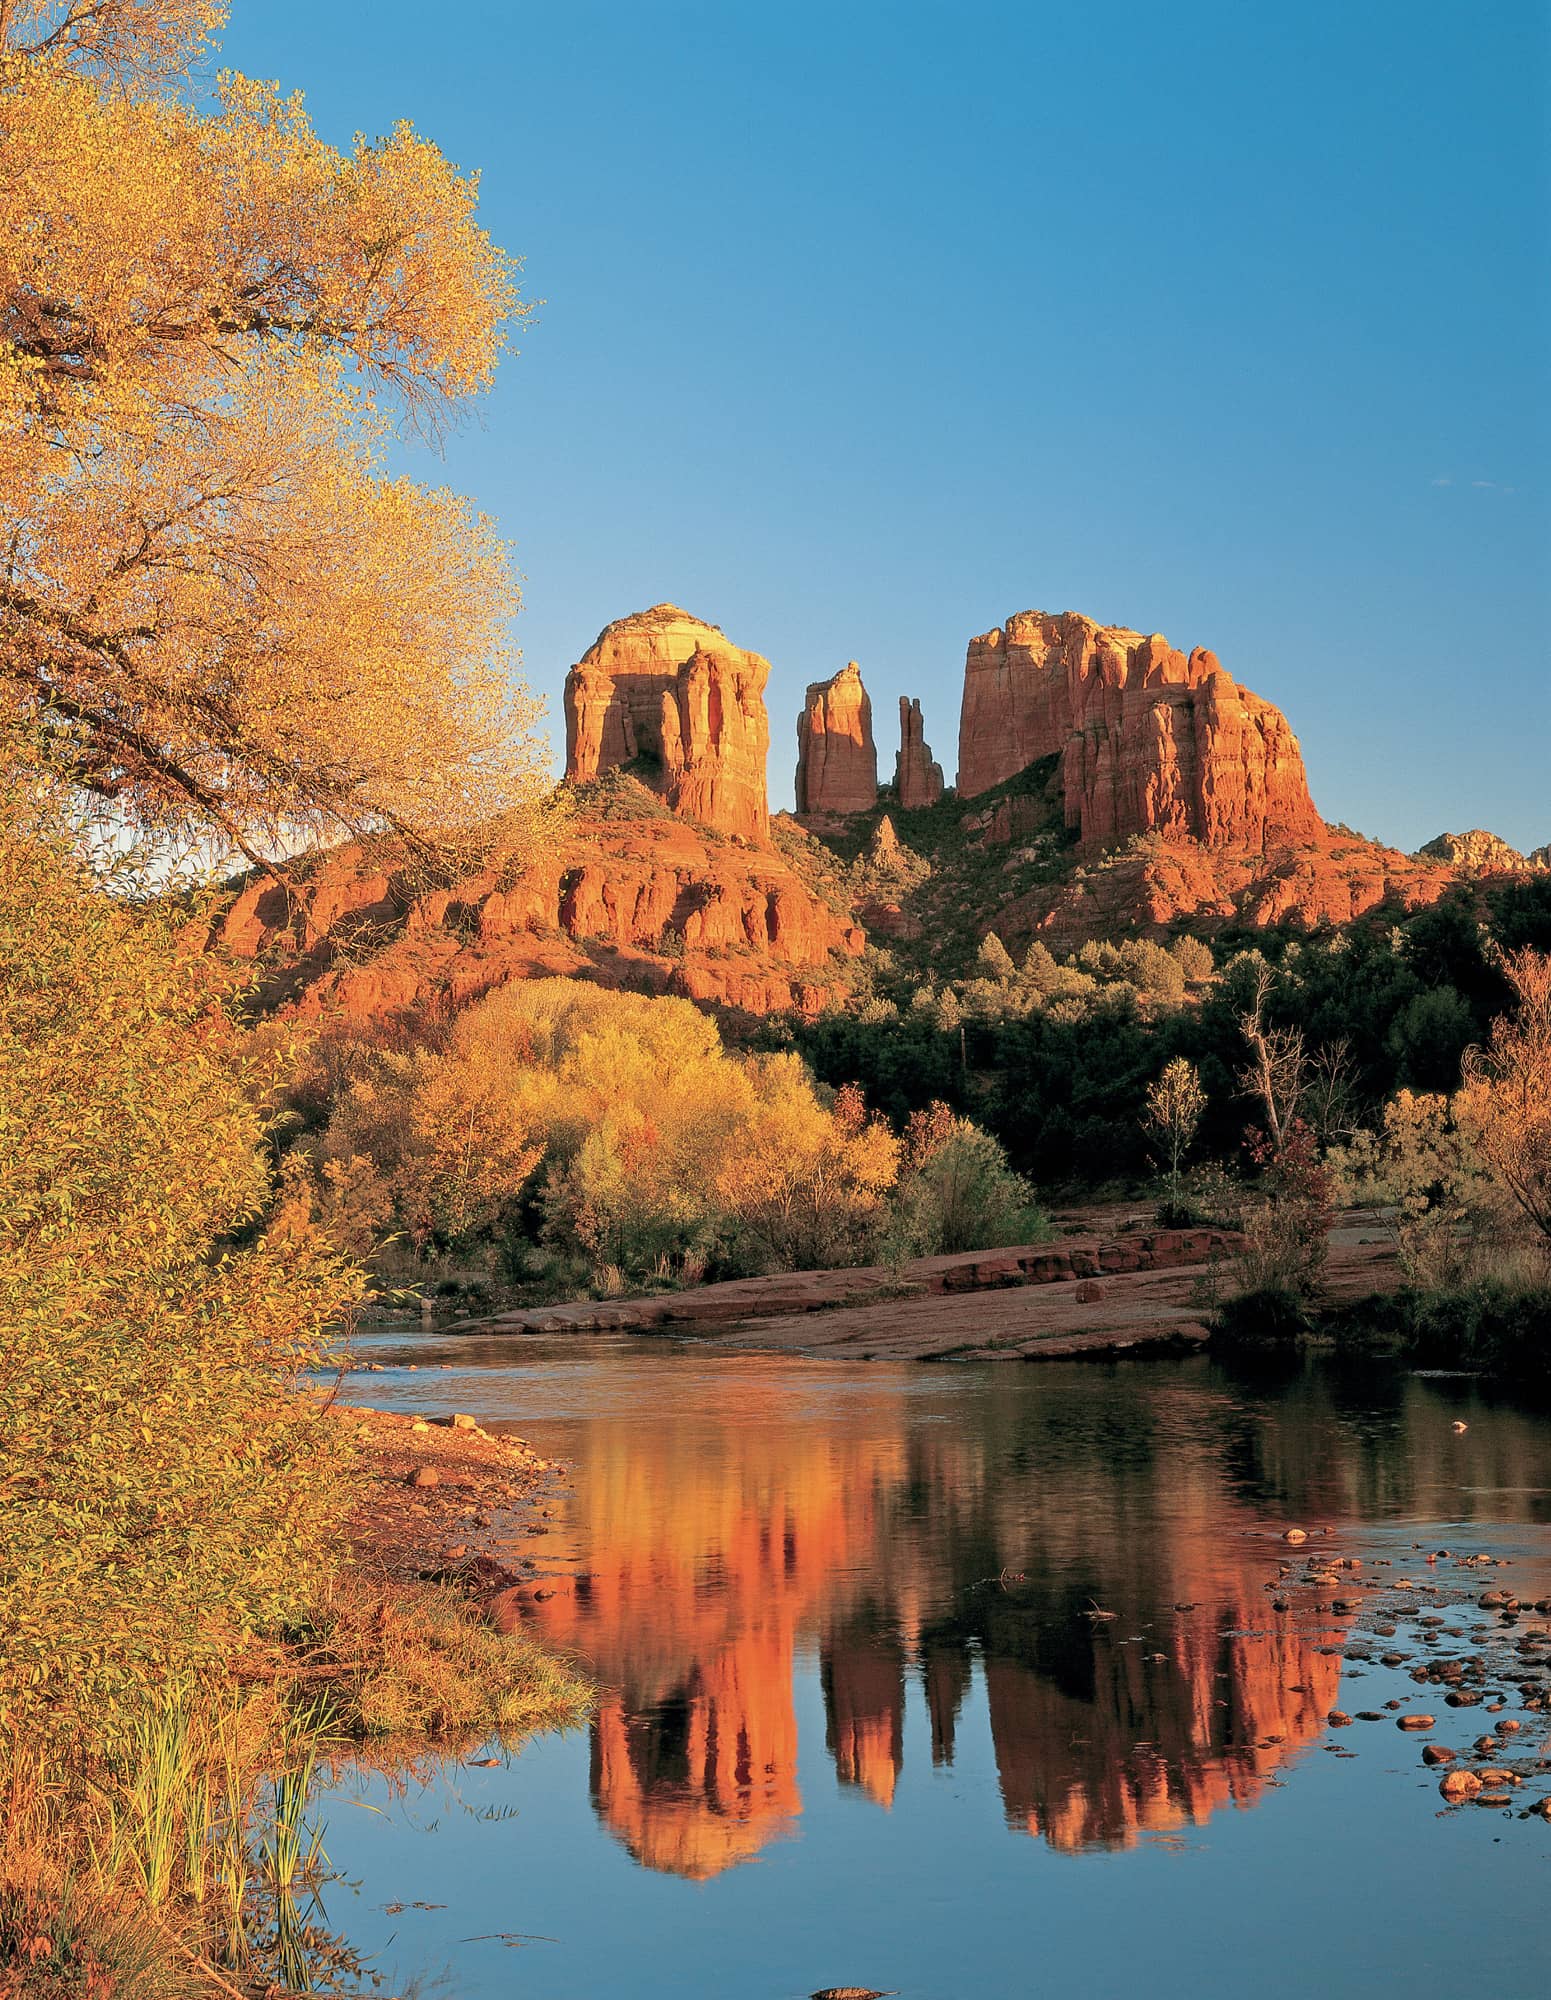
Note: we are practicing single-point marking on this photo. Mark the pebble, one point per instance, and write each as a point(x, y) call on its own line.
point(1438, 1753)
point(424, 1475)
point(1459, 1785)
point(1416, 1721)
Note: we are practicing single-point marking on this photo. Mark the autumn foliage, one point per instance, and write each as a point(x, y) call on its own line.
point(610, 1129)
point(216, 605)
point(165, 1495)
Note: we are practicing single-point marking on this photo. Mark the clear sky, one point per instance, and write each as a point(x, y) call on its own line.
point(868, 324)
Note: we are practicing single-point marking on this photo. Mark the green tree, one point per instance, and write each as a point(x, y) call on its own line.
point(1175, 1103)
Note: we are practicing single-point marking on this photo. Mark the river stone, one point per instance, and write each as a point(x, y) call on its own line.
point(1459, 1784)
point(1416, 1721)
point(1438, 1753)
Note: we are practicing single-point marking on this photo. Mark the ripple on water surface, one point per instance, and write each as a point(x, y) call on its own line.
point(988, 1680)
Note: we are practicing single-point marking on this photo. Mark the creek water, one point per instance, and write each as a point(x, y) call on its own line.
point(861, 1722)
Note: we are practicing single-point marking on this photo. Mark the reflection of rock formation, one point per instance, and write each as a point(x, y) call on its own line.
point(1156, 1743)
point(718, 1558)
point(917, 779)
point(837, 760)
point(864, 1700)
point(669, 696)
point(709, 1775)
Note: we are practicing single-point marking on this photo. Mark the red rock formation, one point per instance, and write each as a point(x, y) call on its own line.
point(648, 903)
point(671, 697)
point(837, 760)
point(1150, 741)
point(916, 778)
point(1481, 853)
point(1150, 889)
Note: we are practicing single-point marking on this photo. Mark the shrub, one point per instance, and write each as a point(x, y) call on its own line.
point(614, 1126)
point(958, 1192)
point(165, 1494)
point(1488, 1323)
point(1263, 1315)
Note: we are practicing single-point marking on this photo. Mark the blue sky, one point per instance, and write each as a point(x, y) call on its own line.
point(866, 325)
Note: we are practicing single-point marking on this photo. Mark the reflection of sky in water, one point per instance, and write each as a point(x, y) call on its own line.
point(857, 1726)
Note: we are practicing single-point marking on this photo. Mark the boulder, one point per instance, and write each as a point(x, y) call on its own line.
point(837, 760)
point(671, 698)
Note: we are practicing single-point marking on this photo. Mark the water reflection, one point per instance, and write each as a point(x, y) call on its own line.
point(968, 1560)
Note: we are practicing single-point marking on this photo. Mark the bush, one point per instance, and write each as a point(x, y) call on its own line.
point(1492, 1324)
point(1267, 1315)
point(166, 1494)
point(1208, 1197)
point(958, 1192)
point(613, 1127)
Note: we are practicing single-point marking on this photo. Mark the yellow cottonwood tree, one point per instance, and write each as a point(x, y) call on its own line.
point(217, 608)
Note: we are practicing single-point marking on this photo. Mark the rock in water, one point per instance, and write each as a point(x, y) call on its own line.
point(1150, 740)
point(917, 779)
point(672, 698)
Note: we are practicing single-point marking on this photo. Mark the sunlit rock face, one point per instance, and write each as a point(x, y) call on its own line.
point(1151, 740)
point(1481, 853)
point(917, 779)
point(652, 903)
point(672, 698)
point(837, 760)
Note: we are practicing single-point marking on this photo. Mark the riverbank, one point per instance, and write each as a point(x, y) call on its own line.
point(1112, 1283)
point(442, 1500)
point(401, 1650)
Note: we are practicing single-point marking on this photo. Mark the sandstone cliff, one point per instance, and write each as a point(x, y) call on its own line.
point(673, 699)
point(916, 778)
point(640, 900)
point(837, 760)
point(1150, 740)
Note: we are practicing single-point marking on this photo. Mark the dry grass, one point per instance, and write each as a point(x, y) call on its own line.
point(425, 1662)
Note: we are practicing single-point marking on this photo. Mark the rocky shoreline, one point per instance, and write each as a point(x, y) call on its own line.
point(1115, 1286)
point(443, 1500)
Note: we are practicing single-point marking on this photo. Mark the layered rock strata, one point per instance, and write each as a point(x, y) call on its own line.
point(1481, 853)
point(672, 698)
point(917, 779)
point(652, 904)
point(837, 760)
point(1151, 740)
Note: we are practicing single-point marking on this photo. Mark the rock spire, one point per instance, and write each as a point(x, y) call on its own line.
point(837, 760)
point(917, 779)
point(1150, 740)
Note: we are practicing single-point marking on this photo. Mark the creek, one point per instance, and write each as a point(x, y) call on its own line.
point(982, 1680)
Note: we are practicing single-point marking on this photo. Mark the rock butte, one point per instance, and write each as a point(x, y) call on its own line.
point(1481, 853)
point(1119, 734)
point(648, 903)
point(837, 760)
point(1150, 740)
point(917, 779)
point(670, 697)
